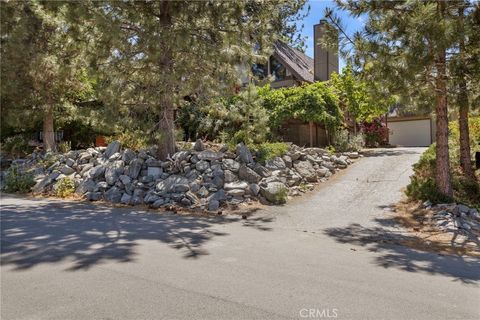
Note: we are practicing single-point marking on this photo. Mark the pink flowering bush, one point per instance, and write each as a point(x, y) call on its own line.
point(376, 132)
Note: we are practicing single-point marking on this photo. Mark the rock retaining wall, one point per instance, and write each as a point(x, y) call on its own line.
point(197, 178)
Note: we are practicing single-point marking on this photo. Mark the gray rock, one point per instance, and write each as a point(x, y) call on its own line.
point(306, 170)
point(460, 207)
point(128, 155)
point(155, 172)
point(97, 172)
point(288, 160)
point(180, 188)
point(213, 205)
point(199, 146)
point(191, 197)
point(158, 203)
point(353, 155)
point(85, 186)
point(275, 192)
point(66, 170)
point(168, 184)
point(236, 185)
point(113, 171)
point(243, 153)
point(236, 192)
point(220, 196)
point(112, 148)
point(210, 155)
point(262, 171)
point(181, 155)
point(254, 189)
point(126, 198)
point(134, 168)
point(125, 179)
point(70, 162)
point(101, 186)
point(202, 165)
point(276, 163)
point(229, 176)
point(42, 184)
point(203, 192)
point(185, 202)
point(323, 172)
point(137, 197)
point(113, 195)
point(247, 174)
point(93, 196)
point(230, 164)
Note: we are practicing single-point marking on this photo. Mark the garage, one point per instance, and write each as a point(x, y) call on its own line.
point(410, 131)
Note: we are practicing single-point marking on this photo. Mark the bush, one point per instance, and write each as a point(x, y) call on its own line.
point(64, 146)
point(18, 181)
point(376, 133)
point(16, 145)
point(269, 150)
point(343, 141)
point(64, 188)
point(132, 139)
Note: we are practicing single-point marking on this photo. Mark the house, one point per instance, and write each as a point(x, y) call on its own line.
point(290, 67)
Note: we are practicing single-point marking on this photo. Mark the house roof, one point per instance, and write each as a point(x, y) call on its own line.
point(298, 62)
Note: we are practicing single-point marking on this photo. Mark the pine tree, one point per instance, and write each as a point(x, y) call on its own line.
point(42, 63)
point(405, 44)
point(155, 53)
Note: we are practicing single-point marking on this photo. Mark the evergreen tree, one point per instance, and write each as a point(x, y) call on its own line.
point(155, 53)
point(42, 65)
point(405, 45)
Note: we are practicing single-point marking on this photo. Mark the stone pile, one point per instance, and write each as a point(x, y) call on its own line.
point(456, 218)
point(196, 178)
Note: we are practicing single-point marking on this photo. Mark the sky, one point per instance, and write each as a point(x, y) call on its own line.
point(317, 7)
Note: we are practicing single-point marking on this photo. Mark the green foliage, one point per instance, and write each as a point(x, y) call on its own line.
point(17, 180)
point(132, 139)
point(16, 145)
point(49, 160)
point(343, 141)
point(64, 146)
point(309, 102)
point(281, 197)
point(64, 188)
point(454, 136)
point(423, 187)
point(269, 150)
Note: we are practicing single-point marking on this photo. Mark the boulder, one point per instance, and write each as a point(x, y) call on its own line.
point(168, 184)
point(254, 189)
point(128, 155)
point(42, 184)
point(199, 146)
point(276, 163)
point(125, 179)
point(113, 171)
point(230, 164)
point(202, 165)
point(66, 170)
point(213, 205)
point(229, 176)
point(112, 148)
point(306, 170)
point(134, 168)
point(85, 186)
point(210, 155)
point(247, 174)
point(126, 198)
point(113, 195)
point(275, 192)
point(154, 172)
point(243, 153)
point(93, 196)
point(97, 172)
point(181, 155)
point(236, 192)
point(262, 171)
point(236, 185)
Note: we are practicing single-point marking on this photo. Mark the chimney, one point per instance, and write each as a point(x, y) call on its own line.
point(325, 62)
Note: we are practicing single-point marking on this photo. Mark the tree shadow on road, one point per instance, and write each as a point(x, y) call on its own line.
point(390, 152)
point(87, 234)
point(397, 250)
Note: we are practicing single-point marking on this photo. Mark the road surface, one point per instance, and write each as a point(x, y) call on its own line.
point(321, 256)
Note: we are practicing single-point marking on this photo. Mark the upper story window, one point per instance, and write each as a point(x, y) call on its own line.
point(277, 69)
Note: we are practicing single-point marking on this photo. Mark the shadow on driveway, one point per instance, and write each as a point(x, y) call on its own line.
point(87, 234)
point(395, 250)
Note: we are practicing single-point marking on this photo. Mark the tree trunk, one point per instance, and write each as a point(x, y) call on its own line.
point(48, 132)
point(442, 170)
point(465, 160)
point(465, 157)
point(166, 145)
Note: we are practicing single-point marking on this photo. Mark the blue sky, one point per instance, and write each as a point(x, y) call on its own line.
point(316, 13)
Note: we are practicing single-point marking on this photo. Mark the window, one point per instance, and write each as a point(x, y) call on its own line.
point(259, 70)
point(277, 69)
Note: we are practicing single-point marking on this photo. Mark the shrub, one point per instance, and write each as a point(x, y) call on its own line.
point(16, 145)
point(343, 141)
point(64, 188)
point(269, 150)
point(64, 146)
point(132, 139)
point(49, 160)
point(376, 133)
point(18, 181)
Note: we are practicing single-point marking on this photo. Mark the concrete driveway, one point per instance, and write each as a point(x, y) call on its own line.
point(325, 255)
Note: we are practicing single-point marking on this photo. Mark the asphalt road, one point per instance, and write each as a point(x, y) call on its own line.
point(323, 255)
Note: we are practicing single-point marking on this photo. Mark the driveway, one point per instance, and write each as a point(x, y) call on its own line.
point(328, 254)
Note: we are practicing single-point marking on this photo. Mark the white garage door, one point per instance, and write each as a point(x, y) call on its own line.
point(410, 133)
